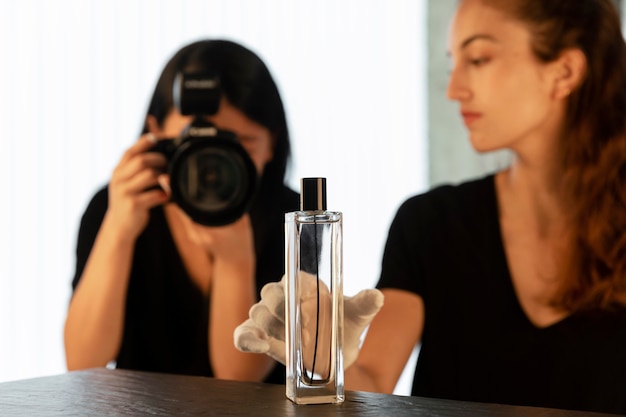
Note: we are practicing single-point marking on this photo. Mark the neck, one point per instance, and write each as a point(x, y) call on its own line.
point(532, 194)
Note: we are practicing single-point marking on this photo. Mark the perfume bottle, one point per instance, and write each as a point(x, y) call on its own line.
point(314, 298)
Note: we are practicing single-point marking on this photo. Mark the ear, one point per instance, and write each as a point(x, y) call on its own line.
point(153, 125)
point(570, 72)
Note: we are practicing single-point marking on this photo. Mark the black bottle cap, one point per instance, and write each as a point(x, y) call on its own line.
point(313, 194)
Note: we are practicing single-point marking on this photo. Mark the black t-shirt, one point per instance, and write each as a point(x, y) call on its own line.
point(166, 321)
point(477, 344)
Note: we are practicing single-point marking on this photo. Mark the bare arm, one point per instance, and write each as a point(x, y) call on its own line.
point(390, 340)
point(233, 291)
point(231, 300)
point(94, 323)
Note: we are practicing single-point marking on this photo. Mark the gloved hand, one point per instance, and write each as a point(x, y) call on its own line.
point(264, 331)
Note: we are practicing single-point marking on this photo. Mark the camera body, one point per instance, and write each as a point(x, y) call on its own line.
point(212, 177)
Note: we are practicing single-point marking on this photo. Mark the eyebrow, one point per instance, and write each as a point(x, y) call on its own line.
point(471, 39)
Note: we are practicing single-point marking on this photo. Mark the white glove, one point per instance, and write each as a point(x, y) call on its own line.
point(264, 331)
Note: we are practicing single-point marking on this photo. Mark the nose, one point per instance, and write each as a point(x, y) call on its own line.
point(457, 89)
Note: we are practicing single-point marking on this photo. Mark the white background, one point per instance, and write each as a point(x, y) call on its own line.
point(75, 80)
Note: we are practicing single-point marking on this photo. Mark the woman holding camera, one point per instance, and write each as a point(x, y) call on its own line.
point(155, 291)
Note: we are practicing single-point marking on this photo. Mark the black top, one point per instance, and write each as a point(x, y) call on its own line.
point(166, 322)
point(478, 344)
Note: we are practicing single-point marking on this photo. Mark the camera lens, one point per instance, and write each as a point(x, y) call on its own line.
point(213, 180)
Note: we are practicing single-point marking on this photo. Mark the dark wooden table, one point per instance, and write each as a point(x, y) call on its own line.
point(103, 392)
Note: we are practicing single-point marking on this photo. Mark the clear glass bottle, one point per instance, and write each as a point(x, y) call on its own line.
point(314, 298)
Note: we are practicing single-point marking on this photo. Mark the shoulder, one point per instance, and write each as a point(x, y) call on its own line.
point(98, 204)
point(285, 199)
point(100, 197)
point(272, 198)
point(89, 226)
point(451, 200)
point(289, 198)
point(447, 194)
point(449, 222)
point(451, 217)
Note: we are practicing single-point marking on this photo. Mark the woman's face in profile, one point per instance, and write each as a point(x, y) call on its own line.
point(504, 92)
point(255, 138)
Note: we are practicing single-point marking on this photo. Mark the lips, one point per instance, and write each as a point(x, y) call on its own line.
point(470, 117)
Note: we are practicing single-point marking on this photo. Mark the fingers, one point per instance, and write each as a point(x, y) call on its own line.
point(130, 166)
point(135, 178)
point(278, 350)
point(139, 170)
point(264, 331)
point(363, 306)
point(151, 137)
point(269, 313)
point(249, 338)
point(231, 244)
point(273, 325)
point(144, 143)
point(309, 286)
point(133, 187)
point(164, 183)
point(273, 296)
point(359, 311)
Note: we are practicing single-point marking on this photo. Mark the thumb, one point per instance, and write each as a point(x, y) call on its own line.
point(249, 338)
point(362, 308)
point(359, 311)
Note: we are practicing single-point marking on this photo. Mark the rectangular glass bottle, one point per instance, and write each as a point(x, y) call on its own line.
point(314, 304)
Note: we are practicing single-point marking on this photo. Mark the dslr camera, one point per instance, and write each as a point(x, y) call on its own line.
point(212, 177)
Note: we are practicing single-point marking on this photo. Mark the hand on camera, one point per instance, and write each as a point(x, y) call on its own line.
point(264, 331)
point(132, 188)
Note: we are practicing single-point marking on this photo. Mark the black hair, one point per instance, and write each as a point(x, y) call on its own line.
point(246, 83)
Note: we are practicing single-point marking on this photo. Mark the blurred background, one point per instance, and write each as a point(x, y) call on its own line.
point(76, 80)
point(363, 82)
